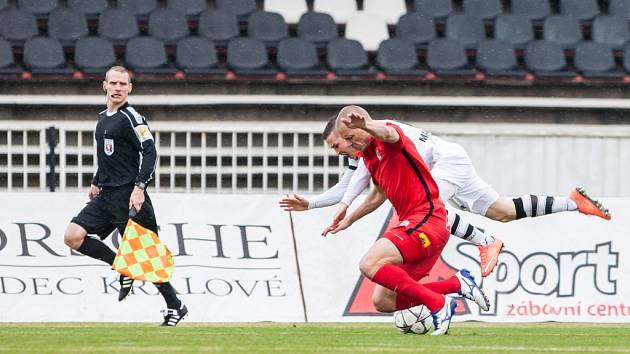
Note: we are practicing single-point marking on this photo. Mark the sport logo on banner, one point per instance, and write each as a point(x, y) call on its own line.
point(530, 286)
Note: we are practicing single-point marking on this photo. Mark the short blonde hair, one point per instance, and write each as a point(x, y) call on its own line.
point(120, 69)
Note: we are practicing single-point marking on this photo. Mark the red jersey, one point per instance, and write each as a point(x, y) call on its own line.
point(406, 180)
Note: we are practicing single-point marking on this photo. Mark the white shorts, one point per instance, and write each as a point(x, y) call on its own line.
point(460, 185)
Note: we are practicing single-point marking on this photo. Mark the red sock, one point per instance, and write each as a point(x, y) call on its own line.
point(448, 286)
point(397, 280)
point(403, 302)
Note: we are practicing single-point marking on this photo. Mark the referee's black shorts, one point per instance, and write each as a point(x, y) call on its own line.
point(110, 210)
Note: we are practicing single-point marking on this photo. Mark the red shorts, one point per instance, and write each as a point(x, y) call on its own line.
point(420, 248)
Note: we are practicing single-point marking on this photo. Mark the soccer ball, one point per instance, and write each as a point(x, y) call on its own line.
point(416, 320)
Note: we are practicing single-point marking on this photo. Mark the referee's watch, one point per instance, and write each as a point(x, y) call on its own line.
point(141, 185)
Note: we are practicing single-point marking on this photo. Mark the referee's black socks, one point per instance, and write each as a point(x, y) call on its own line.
point(169, 294)
point(97, 250)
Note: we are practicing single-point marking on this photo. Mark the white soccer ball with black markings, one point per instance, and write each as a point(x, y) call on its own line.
point(416, 320)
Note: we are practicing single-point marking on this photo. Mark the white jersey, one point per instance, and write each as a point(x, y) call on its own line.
point(432, 148)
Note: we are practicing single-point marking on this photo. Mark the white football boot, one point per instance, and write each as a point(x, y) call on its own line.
point(471, 291)
point(442, 318)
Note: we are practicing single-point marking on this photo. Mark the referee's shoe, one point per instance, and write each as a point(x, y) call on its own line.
point(173, 316)
point(125, 287)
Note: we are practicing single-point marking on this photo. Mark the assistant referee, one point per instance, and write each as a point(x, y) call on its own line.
point(126, 158)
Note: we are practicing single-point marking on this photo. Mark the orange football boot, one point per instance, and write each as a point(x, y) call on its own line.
point(489, 256)
point(588, 206)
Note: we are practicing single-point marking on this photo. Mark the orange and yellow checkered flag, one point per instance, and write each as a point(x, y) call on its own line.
point(141, 255)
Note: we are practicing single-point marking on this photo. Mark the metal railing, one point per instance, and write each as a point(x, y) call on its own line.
point(217, 157)
point(284, 157)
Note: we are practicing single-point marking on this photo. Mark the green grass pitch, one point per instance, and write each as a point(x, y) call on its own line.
point(310, 338)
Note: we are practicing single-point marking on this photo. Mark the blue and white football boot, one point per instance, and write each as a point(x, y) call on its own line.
point(442, 318)
point(471, 291)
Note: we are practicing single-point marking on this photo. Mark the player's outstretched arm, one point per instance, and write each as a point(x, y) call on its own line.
point(375, 198)
point(377, 129)
point(330, 197)
point(293, 203)
point(358, 183)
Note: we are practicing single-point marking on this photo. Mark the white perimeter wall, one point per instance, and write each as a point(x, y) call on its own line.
point(236, 262)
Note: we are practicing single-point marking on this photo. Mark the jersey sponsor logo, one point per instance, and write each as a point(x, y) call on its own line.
point(425, 240)
point(139, 119)
point(108, 147)
point(144, 133)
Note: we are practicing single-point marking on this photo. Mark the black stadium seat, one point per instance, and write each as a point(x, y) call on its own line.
point(466, 29)
point(486, 9)
point(532, 9)
point(94, 54)
point(498, 58)
point(248, 56)
point(138, 8)
point(347, 57)
point(43, 55)
point(436, 9)
point(219, 26)
point(17, 25)
point(298, 56)
point(117, 25)
point(147, 55)
point(39, 8)
point(67, 25)
point(398, 57)
point(580, 9)
point(89, 8)
point(596, 61)
point(516, 29)
point(619, 8)
point(7, 61)
point(197, 55)
point(191, 8)
point(416, 28)
point(564, 30)
point(168, 25)
point(611, 30)
point(317, 27)
point(241, 8)
point(268, 27)
point(546, 60)
point(447, 57)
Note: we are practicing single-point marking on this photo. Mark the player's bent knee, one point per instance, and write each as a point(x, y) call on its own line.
point(74, 236)
point(368, 266)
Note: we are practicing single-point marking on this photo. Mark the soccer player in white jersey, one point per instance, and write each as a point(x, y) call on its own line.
point(457, 181)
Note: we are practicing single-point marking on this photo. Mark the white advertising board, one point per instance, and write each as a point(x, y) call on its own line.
point(236, 261)
point(234, 257)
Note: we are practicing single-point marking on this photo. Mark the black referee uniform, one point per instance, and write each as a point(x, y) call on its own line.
point(126, 157)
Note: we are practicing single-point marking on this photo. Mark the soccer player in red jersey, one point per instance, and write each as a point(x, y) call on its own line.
point(405, 253)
